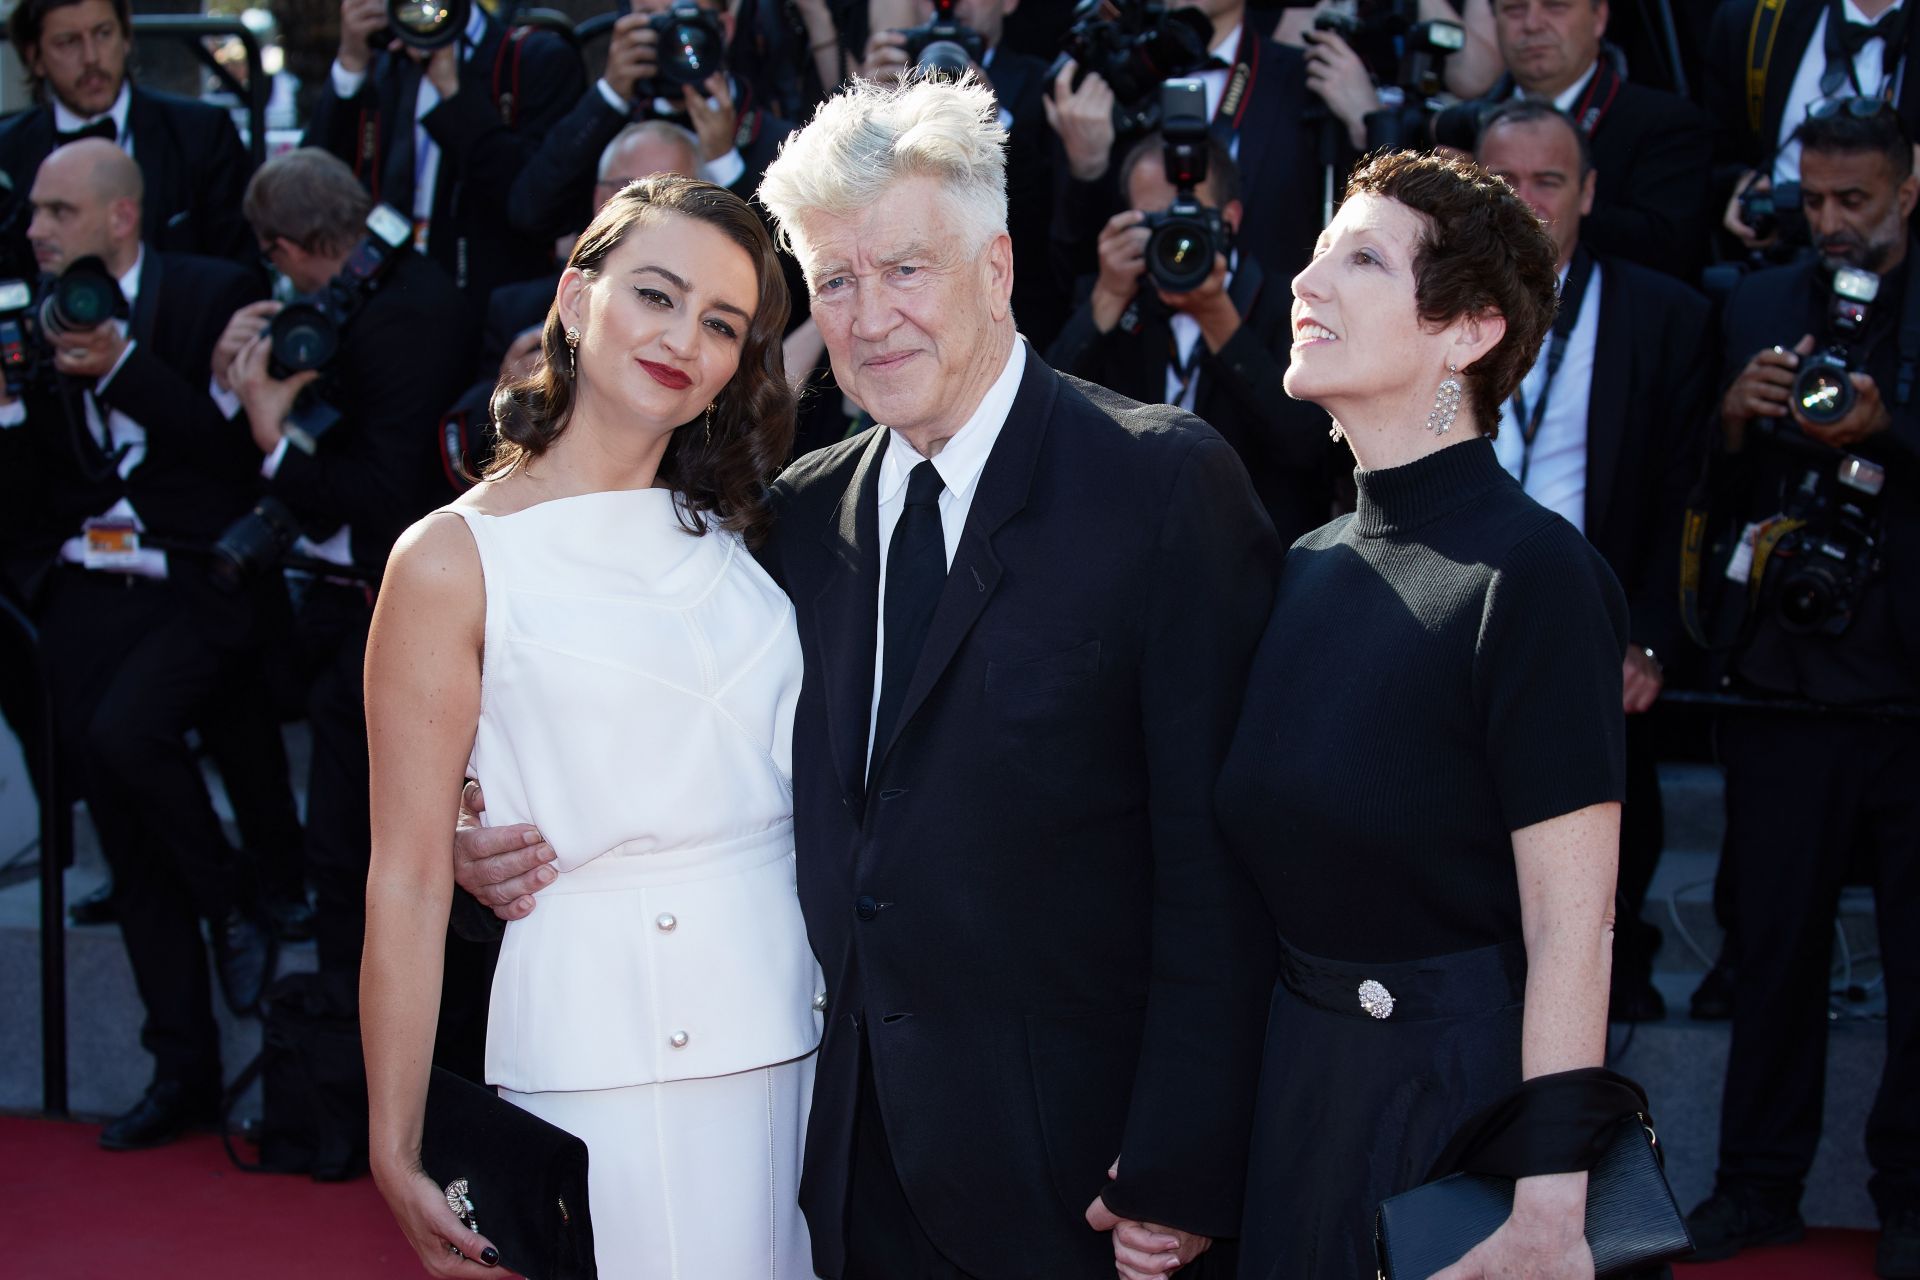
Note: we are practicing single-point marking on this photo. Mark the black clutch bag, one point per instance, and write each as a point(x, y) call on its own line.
point(1632, 1220)
point(517, 1180)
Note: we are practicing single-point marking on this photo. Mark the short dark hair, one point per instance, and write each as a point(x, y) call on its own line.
point(1533, 111)
point(1844, 132)
point(1482, 250)
point(723, 469)
point(309, 197)
point(1223, 175)
point(29, 19)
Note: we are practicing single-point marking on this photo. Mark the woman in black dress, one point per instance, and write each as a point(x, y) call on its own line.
point(1426, 777)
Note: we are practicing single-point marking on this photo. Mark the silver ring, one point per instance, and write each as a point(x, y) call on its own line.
point(1779, 351)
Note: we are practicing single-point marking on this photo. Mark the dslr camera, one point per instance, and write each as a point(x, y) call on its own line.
point(1823, 389)
point(1818, 569)
point(1135, 46)
point(423, 24)
point(691, 47)
point(943, 46)
point(1184, 238)
point(1773, 210)
point(82, 297)
point(1403, 54)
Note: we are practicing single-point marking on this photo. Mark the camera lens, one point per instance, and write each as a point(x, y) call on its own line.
point(427, 24)
point(1180, 255)
point(942, 60)
point(304, 337)
point(690, 45)
point(253, 542)
point(84, 296)
point(1808, 599)
point(1823, 391)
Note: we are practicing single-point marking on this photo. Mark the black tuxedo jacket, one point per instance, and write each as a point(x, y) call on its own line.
point(1653, 196)
point(403, 359)
point(1653, 363)
point(1737, 147)
point(482, 153)
point(1025, 906)
point(200, 472)
point(1020, 83)
point(553, 194)
point(1280, 177)
point(1239, 393)
point(190, 158)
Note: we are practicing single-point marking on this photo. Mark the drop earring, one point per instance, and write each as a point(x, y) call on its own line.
point(709, 426)
point(1446, 403)
point(1336, 432)
point(573, 350)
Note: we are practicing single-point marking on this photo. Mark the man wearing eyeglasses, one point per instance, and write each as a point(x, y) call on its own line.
point(1808, 795)
point(1770, 63)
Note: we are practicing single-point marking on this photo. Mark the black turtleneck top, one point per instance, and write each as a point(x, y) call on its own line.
point(1442, 668)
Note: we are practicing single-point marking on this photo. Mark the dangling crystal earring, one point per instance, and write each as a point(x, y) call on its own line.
point(573, 348)
point(709, 425)
point(1336, 432)
point(1446, 403)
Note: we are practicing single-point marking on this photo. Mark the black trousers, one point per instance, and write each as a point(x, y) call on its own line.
point(132, 664)
point(331, 630)
point(241, 731)
point(1642, 835)
point(1802, 795)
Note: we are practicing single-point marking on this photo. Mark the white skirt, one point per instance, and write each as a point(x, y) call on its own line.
point(693, 1179)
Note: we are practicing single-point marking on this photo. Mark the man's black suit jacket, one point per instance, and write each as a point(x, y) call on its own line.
point(1737, 147)
point(1025, 904)
point(1646, 438)
point(1280, 177)
point(1240, 392)
point(1020, 83)
point(1653, 194)
point(470, 235)
point(403, 359)
point(200, 472)
point(190, 158)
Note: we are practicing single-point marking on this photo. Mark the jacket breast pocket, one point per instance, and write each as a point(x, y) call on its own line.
point(1011, 678)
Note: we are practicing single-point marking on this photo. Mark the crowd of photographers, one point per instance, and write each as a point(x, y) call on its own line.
point(227, 391)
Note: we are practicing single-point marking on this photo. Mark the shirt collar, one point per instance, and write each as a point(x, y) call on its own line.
point(964, 456)
point(130, 282)
point(1229, 47)
point(66, 121)
point(476, 32)
point(1571, 95)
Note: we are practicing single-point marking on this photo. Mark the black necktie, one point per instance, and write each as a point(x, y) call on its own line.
point(916, 570)
point(98, 129)
point(1846, 39)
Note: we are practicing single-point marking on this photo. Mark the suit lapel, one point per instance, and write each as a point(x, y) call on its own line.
point(147, 305)
point(1796, 29)
point(847, 616)
point(1613, 354)
point(975, 573)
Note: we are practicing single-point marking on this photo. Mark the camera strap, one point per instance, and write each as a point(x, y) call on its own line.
point(506, 75)
point(1602, 89)
point(1246, 68)
point(1572, 295)
point(1761, 34)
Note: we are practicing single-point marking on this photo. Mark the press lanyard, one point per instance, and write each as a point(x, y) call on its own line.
point(1572, 295)
point(1246, 66)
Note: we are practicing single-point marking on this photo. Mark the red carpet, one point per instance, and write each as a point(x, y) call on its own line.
point(75, 1212)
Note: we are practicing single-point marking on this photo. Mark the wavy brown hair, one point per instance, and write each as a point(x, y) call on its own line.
point(722, 475)
point(1483, 250)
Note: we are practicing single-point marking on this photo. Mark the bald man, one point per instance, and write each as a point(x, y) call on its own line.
point(126, 465)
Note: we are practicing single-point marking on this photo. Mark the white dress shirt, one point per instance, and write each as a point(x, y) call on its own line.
point(65, 121)
point(959, 463)
point(1805, 91)
point(1186, 337)
point(1557, 472)
point(426, 152)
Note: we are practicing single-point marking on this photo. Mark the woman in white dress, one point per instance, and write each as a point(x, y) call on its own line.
point(586, 633)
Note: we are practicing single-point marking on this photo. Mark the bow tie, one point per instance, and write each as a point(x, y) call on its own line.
point(1846, 39)
point(103, 128)
point(1853, 36)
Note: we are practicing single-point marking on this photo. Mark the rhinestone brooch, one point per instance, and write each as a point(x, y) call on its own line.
point(1376, 999)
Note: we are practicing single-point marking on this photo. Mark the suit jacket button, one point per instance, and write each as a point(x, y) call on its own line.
point(865, 907)
point(678, 1039)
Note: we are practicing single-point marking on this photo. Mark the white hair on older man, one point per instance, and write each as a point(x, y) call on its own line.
point(870, 135)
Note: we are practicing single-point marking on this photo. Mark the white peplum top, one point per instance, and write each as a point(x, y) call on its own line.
point(637, 698)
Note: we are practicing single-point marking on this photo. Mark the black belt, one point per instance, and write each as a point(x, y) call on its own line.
point(1463, 984)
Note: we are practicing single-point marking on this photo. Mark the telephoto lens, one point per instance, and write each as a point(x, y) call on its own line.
point(254, 542)
point(304, 337)
point(85, 295)
point(427, 24)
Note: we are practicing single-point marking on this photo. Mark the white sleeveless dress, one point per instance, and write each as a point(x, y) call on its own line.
point(637, 697)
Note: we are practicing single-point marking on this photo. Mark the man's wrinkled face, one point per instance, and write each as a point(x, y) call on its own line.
point(1548, 43)
point(1856, 207)
point(82, 55)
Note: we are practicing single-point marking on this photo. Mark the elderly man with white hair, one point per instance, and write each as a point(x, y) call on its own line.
point(1027, 606)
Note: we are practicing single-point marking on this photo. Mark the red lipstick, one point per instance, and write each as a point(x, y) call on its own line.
point(666, 375)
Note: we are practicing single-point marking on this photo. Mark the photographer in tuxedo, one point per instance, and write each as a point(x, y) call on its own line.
point(402, 358)
point(191, 161)
point(443, 134)
point(133, 475)
point(1216, 347)
point(1026, 607)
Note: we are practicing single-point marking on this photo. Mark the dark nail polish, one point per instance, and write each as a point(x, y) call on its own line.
point(490, 1256)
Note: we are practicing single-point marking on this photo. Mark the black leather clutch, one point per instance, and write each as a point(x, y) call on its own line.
point(1632, 1220)
point(521, 1182)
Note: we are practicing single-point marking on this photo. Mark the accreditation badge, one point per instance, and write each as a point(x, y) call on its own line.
point(113, 544)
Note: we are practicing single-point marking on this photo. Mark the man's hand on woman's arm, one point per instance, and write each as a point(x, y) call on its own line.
point(503, 867)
